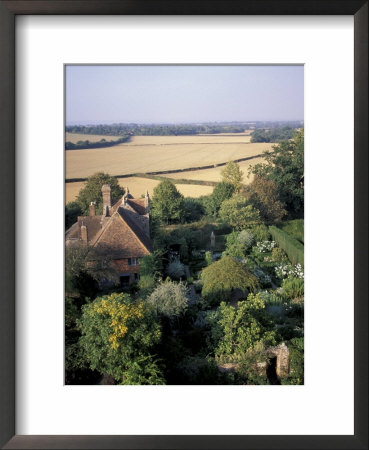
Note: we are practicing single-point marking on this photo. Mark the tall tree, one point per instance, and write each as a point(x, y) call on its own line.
point(167, 203)
point(263, 195)
point(285, 167)
point(91, 192)
point(231, 173)
point(238, 213)
point(222, 191)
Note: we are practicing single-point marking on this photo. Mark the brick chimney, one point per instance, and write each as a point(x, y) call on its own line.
point(92, 209)
point(84, 233)
point(147, 200)
point(106, 193)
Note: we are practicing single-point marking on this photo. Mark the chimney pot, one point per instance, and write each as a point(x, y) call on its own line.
point(106, 193)
point(92, 209)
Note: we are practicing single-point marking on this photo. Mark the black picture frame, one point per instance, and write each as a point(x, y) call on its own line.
point(8, 11)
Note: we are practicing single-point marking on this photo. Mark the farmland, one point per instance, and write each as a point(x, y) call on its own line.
point(214, 174)
point(138, 186)
point(159, 153)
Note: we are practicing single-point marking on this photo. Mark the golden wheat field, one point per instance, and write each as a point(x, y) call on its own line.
point(198, 139)
point(138, 186)
point(75, 137)
point(140, 157)
point(214, 174)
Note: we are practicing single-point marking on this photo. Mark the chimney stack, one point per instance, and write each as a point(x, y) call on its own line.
point(147, 199)
point(92, 209)
point(84, 233)
point(106, 193)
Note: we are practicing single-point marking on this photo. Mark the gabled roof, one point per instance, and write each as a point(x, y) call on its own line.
point(123, 234)
point(122, 239)
point(138, 204)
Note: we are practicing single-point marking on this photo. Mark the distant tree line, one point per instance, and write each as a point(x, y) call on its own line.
point(272, 134)
point(156, 130)
point(99, 144)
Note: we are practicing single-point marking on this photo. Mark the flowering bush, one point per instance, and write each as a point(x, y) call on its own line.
point(287, 270)
point(265, 246)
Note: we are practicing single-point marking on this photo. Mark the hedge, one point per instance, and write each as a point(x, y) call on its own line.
point(293, 248)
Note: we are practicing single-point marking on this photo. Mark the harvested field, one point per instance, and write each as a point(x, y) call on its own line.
point(198, 139)
point(214, 173)
point(75, 137)
point(138, 186)
point(132, 158)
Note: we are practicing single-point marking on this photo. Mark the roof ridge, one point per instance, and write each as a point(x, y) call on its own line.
point(132, 229)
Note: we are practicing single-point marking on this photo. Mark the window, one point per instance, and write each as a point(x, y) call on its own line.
point(133, 261)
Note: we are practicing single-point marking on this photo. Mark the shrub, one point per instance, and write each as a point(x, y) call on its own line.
point(260, 233)
point(175, 270)
point(293, 287)
point(146, 284)
point(265, 246)
point(287, 270)
point(236, 330)
point(293, 248)
point(224, 275)
point(264, 279)
point(169, 299)
point(238, 243)
point(208, 258)
point(279, 255)
point(117, 331)
point(245, 239)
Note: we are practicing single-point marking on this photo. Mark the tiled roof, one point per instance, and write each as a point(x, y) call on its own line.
point(139, 232)
point(138, 204)
point(123, 235)
point(120, 240)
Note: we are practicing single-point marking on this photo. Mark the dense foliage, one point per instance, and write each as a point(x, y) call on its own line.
point(239, 213)
point(285, 167)
point(80, 145)
point(223, 276)
point(293, 247)
point(167, 203)
point(91, 192)
point(232, 174)
point(117, 333)
point(273, 134)
point(237, 330)
point(263, 195)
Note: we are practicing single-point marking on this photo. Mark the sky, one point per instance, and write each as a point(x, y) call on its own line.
point(183, 94)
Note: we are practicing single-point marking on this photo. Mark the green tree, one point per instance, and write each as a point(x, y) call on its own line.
point(285, 167)
point(72, 211)
point(167, 203)
point(222, 191)
point(91, 192)
point(235, 331)
point(169, 299)
point(221, 277)
point(117, 333)
point(238, 213)
point(263, 195)
point(231, 173)
point(86, 265)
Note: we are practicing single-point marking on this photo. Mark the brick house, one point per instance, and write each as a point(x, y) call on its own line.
point(122, 232)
